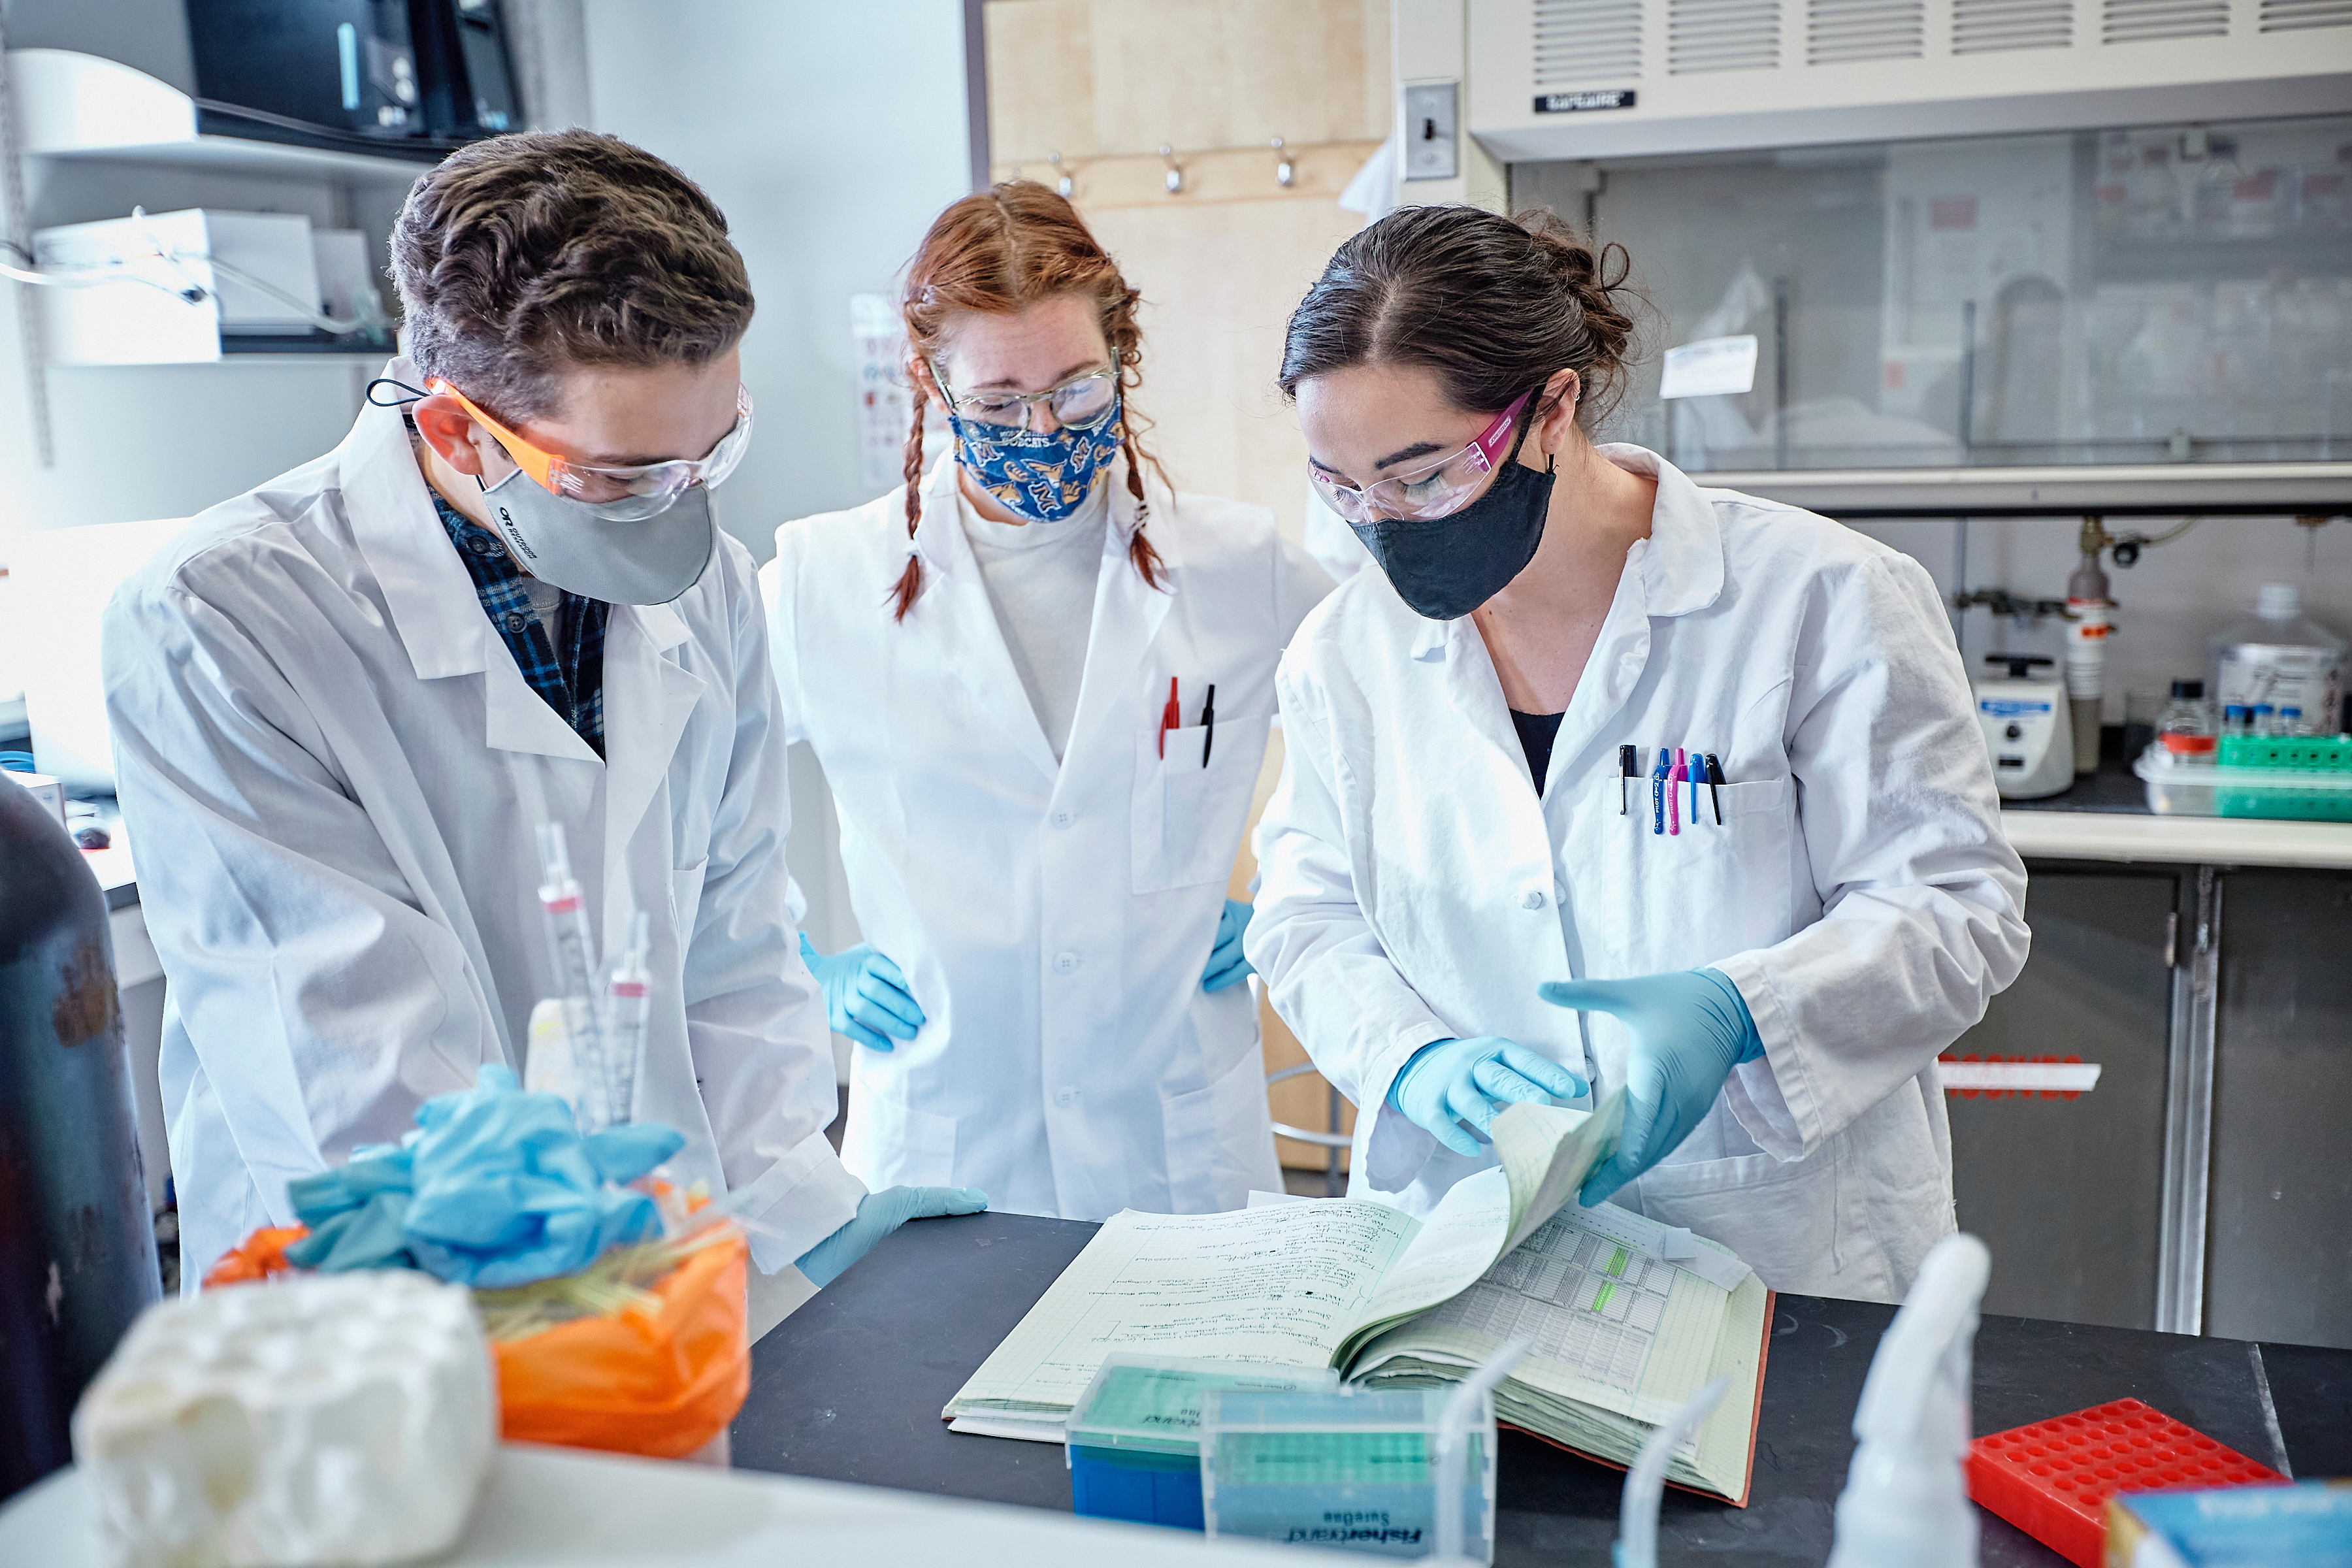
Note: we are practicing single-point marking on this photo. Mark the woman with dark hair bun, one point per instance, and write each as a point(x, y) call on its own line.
point(1040, 683)
point(1605, 781)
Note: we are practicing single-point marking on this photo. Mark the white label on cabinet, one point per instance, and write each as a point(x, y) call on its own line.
point(1709, 367)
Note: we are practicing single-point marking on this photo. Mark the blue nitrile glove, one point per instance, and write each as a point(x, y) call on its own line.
point(496, 1188)
point(1226, 964)
point(866, 998)
point(1452, 1081)
point(1690, 1029)
point(879, 1214)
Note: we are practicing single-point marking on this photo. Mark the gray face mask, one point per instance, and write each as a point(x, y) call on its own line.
point(648, 562)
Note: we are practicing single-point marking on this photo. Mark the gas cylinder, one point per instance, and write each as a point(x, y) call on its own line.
point(77, 1242)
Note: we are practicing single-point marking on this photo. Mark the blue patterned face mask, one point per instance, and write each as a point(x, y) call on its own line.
point(1042, 478)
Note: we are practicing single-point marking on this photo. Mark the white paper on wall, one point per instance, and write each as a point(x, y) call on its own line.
point(883, 407)
point(1709, 367)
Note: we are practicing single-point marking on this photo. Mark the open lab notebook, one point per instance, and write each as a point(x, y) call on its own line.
point(1629, 1317)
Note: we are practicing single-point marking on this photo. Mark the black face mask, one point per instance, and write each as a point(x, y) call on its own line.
point(1446, 567)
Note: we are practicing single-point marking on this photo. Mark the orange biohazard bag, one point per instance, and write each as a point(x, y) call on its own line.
point(660, 1378)
point(261, 1256)
point(657, 1382)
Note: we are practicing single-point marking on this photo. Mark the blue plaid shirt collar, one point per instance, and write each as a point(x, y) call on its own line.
point(564, 664)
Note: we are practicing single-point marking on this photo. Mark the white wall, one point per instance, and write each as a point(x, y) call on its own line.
point(831, 135)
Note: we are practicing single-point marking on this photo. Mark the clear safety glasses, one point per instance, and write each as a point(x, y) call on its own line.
point(629, 494)
point(1433, 490)
point(1079, 404)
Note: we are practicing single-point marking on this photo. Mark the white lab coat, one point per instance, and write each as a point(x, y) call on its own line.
point(325, 753)
point(1859, 893)
point(1053, 921)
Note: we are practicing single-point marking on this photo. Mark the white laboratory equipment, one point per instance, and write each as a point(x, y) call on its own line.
point(1906, 1498)
point(2028, 728)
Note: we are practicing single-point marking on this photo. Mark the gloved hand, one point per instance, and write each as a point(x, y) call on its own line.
point(879, 1214)
point(1690, 1029)
point(1226, 964)
point(1454, 1081)
point(866, 998)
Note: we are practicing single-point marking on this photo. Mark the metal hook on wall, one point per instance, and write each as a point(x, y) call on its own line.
point(1065, 183)
point(1175, 178)
point(1284, 173)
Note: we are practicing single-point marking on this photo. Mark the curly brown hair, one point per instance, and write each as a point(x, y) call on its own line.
point(521, 257)
point(998, 252)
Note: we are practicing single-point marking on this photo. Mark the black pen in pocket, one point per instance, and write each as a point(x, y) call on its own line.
point(1208, 722)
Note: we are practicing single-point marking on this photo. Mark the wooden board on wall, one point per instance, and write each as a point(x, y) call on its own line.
point(1096, 77)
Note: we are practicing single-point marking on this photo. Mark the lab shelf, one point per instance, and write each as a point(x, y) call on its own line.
point(75, 105)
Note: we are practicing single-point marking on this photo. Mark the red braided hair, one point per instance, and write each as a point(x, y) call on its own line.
point(997, 253)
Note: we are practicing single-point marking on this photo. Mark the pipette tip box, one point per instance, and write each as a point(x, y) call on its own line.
point(1132, 1440)
point(1354, 1469)
point(2052, 1480)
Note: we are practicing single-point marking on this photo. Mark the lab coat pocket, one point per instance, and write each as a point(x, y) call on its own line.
point(685, 901)
point(1220, 1141)
point(889, 1143)
point(1188, 818)
point(1780, 1215)
point(1677, 900)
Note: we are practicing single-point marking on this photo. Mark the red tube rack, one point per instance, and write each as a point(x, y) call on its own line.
point(2052, 1480)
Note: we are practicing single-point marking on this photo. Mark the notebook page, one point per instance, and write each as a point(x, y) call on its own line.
point(1280, 1285)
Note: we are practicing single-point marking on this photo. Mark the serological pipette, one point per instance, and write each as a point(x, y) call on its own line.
point(628, 1006)
point(572, 947)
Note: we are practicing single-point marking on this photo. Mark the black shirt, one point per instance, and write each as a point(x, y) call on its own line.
point(1536, 733)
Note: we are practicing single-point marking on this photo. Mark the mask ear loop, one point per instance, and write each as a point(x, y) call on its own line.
point(415, 393)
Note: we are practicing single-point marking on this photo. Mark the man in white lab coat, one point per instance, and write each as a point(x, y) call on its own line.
point(342, 704)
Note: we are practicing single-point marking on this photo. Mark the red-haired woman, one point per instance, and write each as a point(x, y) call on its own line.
point(1041, 682)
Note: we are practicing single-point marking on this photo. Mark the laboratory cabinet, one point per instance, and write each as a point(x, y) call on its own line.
point(2205, 1183)
point(2131, 295)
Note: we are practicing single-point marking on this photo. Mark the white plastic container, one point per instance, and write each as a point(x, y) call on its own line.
point(2280, 657)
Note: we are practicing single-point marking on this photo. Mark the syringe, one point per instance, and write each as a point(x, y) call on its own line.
point(572, 947)
point(628, 1006)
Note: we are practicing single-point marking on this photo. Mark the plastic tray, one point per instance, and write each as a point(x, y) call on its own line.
point(1133, 1439)
point(2321, 752)
point(2177, 788)
point(2052, 1480)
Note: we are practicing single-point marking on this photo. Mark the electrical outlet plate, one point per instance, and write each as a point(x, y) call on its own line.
point(1432, 147)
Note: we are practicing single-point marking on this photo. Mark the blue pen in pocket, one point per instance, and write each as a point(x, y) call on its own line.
point(1697, 777)
point(1658, 789)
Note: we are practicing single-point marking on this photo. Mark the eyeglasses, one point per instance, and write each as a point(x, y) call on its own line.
point(1079, 404)
point(630, 494)
point(1433, 490)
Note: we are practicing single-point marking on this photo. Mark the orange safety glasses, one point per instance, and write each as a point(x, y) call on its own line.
point(618, 494)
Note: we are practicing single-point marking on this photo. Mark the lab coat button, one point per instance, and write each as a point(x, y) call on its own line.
point(1066, 1096)
point(1064, 818)
point(1067, 963)
point(1534, 900)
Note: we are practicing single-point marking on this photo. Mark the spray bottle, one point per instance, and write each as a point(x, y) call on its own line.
point(1905, 1500)
point(2087, 629)
point(1646, 1483)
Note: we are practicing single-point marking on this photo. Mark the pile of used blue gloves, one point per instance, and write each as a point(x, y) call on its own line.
point(496, 1188)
